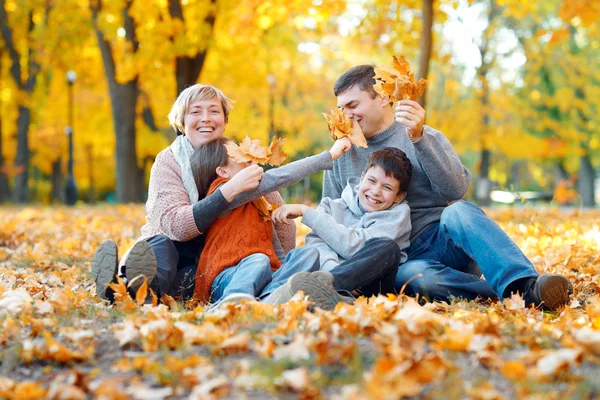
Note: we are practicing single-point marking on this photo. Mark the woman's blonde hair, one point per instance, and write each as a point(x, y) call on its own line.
point(190, 95)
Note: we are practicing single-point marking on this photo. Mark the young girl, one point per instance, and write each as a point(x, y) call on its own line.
point(240, 251)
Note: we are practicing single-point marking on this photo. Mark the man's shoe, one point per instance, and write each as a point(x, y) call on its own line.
point(234, 298)
point(140, 263)
point(104, 268)
point(550, 291)
point(318, 286)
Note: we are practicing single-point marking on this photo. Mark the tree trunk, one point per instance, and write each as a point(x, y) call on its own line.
point(586, 180)
point(57, 194)
point(4, 188)
point(187, 69)
point(21, 188)
point(426, 45)
point(123, 99)
point(560, 172)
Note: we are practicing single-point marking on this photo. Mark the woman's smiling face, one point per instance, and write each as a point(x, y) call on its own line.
point(204, 121)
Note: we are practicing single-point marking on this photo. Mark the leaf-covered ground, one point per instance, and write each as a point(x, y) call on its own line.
point(59, 341)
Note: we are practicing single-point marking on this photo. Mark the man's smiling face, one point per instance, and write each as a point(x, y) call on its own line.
point(370, 113)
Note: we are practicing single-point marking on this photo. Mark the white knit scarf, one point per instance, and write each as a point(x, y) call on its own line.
point(182, 150)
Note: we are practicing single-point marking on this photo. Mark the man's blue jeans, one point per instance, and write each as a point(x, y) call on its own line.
point(452, 254)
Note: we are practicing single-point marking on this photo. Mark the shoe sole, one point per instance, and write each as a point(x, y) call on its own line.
point(318, 286)
point(554, 291)
point(141, 261)
point(104, 267)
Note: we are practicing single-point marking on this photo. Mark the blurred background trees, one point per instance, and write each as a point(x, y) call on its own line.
point(513, 84)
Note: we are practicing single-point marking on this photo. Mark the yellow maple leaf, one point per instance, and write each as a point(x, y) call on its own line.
point(253, 150)
point(276, 154)
point(340, 126)
point(398, 82)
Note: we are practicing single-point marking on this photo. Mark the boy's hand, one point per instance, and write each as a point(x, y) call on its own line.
point(410, 114)
point(285, 213)
point(340, 147)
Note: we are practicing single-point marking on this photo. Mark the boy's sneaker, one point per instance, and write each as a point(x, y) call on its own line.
point(234, 298)
point(140, 262)
point(104, 268)
point(317, 285)
point(550, 291)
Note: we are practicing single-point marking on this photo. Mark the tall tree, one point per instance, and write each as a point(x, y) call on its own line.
point(426, 45)
point(124, 99)
point(188, 67)
point(25, 80)
point(4, 188)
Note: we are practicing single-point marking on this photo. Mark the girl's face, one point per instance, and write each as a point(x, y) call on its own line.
point(233, 167)
point(204, 121)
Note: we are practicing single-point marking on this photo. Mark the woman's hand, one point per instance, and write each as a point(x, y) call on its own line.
point(245, 180)
point(285, 213)
point(340, 147)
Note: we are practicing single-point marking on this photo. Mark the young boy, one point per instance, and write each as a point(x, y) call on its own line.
point(361, 238)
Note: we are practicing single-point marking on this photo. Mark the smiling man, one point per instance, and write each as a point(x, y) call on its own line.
point(452, 241)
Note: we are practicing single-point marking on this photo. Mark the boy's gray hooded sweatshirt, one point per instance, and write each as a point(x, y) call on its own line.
point(340, 228)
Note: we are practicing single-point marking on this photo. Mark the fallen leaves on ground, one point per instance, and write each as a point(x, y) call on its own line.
point(58, 340)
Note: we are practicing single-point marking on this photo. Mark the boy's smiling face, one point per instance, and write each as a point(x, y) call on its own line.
point(378, 191)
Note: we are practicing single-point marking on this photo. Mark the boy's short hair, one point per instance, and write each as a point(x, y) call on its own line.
point(362, 76)
point(395, 163)
point(190, 95)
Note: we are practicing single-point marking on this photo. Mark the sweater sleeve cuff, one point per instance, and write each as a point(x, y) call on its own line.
point(207, 210)
point(309, 218)
point(424, 141)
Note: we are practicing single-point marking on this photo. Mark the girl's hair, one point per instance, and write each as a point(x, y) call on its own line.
point(190, 95)
point(205, 161)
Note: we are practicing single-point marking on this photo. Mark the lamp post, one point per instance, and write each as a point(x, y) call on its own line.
point(70, 187)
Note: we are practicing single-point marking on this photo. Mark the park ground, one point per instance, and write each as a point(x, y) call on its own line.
point(59, 341)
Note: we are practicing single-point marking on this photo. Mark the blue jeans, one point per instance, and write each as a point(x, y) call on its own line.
point(249, 276)
point(302, 259)
point(451, 256)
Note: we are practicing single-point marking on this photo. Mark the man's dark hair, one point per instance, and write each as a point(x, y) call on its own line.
point(395, 163)
point(361, 76)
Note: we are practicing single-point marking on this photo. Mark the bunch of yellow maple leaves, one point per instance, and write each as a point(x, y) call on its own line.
point(58, 340)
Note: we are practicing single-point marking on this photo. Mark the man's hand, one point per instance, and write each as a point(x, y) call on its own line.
point(285, 213)
point(410, 114)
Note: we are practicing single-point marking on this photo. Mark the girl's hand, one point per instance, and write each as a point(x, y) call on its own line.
point(339, 148)
point(245, 180)
point(285, 213)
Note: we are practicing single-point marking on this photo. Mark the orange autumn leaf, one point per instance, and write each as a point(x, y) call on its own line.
point(277, 156)
point(340, 126)
point(398, 82)
point(142, 292)
point(253, 150)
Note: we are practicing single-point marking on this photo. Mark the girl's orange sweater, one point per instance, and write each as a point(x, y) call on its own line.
point(230, 239)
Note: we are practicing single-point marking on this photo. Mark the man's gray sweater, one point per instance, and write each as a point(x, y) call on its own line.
point(438, 178)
